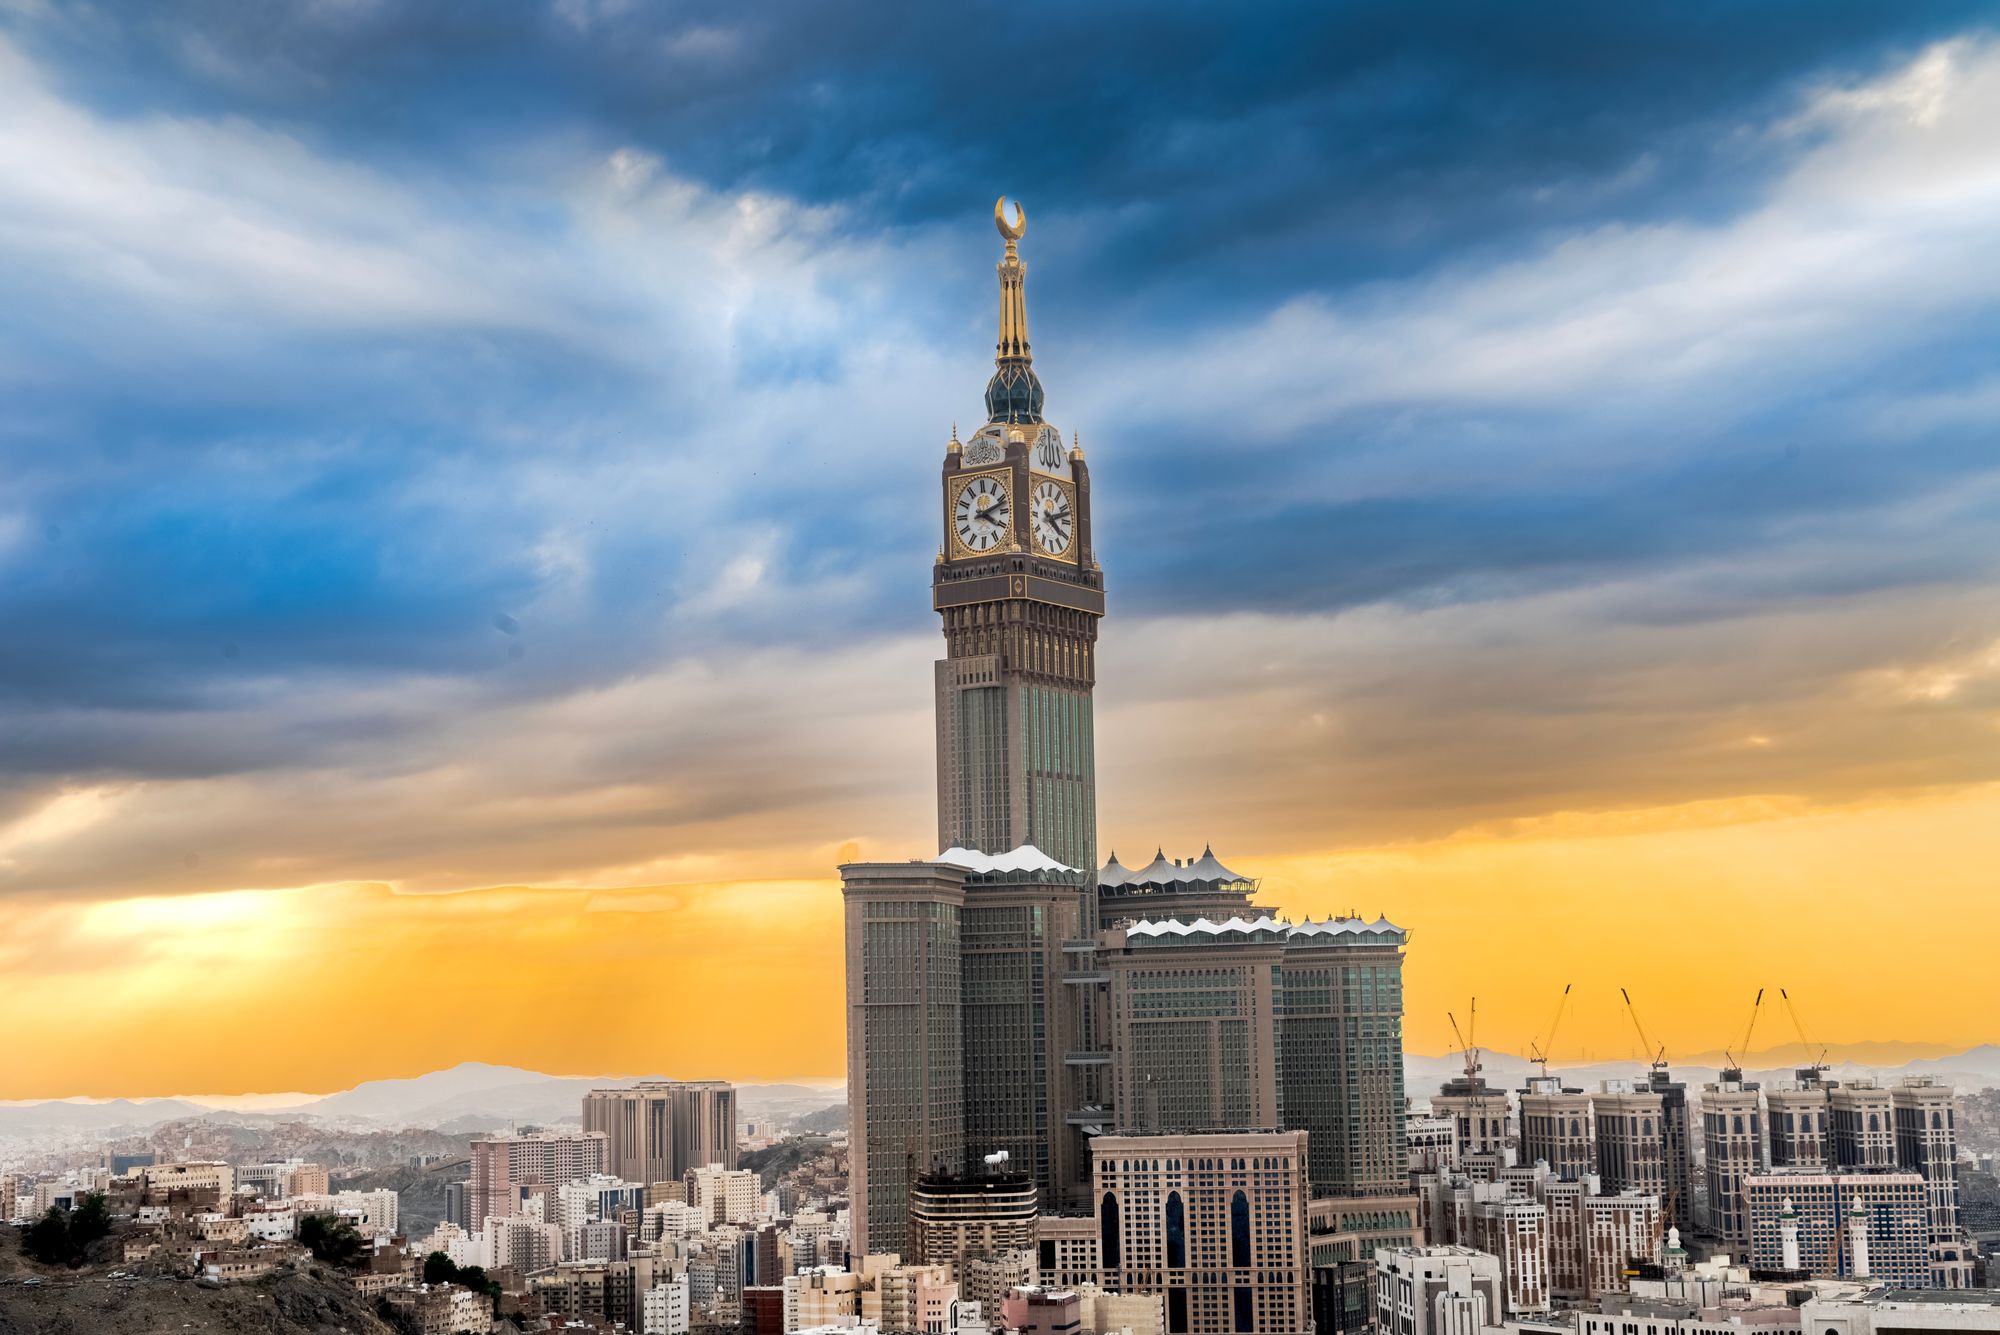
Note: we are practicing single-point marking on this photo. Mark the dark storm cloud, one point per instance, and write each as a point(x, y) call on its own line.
point(487, 357)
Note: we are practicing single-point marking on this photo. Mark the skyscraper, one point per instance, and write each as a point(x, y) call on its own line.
point(905, 1073)
point(656, 1130)
point(1008, 995)
point(1019, 590)
point(1732, 1134)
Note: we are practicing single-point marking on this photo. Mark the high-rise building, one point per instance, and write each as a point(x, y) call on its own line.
point(1192, 1023)
point(1676, 1144)
point(905, 1072)
point(1798, 1122)
point(1631, 1144)
point(1927, 1143)
point(1732, 1134)
point(505, 1169)
point(1008, 996)
point(1340, 1039)
point(955, 1217)
point(1019, 589)
point(1479, 1111)
point(1861, 1121)
point(1024, 924)
point(657, 1130)
point(1557, 1127)
point(1259, 1022)
point(1214, 1222)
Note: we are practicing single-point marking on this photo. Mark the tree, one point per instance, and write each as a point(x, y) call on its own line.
point(439, 1269)
point(332, 1240)
point(87, 1223)
point(47, 1239)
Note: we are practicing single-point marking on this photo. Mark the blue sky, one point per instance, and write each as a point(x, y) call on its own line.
point(454, 444)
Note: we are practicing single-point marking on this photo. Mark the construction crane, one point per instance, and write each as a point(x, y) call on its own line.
point(1658, 1058)
point(1743, 1044)
point(1815, 1064)
point(1472, 1064)
point(1538, 1053)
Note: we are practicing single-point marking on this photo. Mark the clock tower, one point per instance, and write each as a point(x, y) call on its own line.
point(1018, 587)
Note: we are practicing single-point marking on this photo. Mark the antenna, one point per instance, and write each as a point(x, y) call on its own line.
point(1658, 1051)
point(1743, 1044)
point(1539, 1053)
point(1813, 1063)
point(1472, 1065)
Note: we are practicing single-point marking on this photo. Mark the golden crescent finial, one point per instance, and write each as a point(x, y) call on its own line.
point(1020, 226)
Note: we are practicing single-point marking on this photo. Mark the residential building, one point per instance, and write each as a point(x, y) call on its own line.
point(723, 1195)
point(371, 1212)
point(663, 1309)
point(505, 1169)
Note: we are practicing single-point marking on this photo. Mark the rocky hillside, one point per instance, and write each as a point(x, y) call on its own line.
point(38, 1300)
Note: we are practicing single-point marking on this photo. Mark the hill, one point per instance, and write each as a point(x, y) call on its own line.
point(38, 1300)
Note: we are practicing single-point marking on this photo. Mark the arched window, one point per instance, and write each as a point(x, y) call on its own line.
point(1937, 1123)
point(1107, 1232)
point(1176, 1233)
point(1239, 1230)
point(1874, 1122)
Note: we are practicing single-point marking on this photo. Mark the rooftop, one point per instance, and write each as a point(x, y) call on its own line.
point(1025, 858)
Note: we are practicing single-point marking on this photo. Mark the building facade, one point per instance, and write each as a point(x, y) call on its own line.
point(1215, 1223)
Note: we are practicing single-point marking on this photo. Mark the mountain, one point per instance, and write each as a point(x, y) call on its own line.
point(468, 1090)
point(477, 1094)
point(22, 1119)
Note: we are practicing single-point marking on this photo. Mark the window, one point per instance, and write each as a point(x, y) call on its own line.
point(1107, 1231)
point(1239, 1230)
point(1176, 1232)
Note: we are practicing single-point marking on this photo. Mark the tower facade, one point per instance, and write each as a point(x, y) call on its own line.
point(1019, 591)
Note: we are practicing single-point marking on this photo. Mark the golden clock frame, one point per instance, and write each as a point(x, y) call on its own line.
point(959, 482)
point(1069, 553)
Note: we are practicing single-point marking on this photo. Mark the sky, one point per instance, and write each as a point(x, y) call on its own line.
point(467, 505)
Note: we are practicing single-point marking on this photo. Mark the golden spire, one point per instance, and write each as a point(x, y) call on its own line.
point(1014, 394)
point(1013, 302)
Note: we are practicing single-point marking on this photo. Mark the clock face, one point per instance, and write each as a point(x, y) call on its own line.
point(1052, 517)
point(980, 515)
point(1049, 455)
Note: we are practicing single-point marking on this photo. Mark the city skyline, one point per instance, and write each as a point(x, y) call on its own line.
point(1618, 573)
